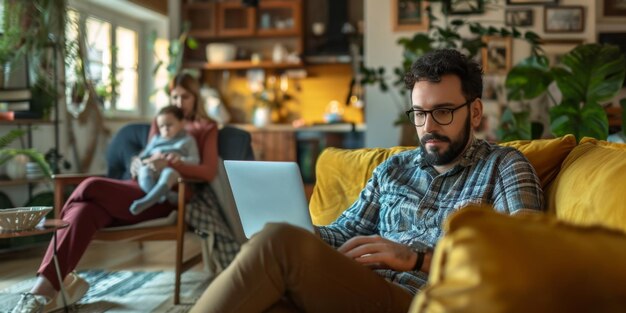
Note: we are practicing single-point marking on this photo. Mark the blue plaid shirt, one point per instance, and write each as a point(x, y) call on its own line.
point(406, 200)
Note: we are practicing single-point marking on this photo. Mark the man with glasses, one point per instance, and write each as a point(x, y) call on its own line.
point(377, 254)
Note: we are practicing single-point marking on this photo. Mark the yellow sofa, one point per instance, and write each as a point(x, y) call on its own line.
point(572, 259)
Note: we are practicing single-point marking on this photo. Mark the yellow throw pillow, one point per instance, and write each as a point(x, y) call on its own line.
point(341, 174)
point(546, 155)
point(489, 262)
point(591, 186)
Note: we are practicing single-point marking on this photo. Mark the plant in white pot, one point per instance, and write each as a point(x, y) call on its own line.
point(20, 156)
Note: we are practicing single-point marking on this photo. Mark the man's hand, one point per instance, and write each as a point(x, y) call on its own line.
point(379, 253)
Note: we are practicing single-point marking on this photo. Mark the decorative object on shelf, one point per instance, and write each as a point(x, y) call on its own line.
point(455, 7)
point(496, 55)
point(409, 15)
point(334, 112)
point(7, 154)
point(581, 97)
point(23, 218)
point(262, 116)
point(279, 53)
point(220, 52)
point(518, 17)
point(614, 8)
point(564, 19)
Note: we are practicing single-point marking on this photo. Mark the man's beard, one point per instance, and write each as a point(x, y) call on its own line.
point(455, 148)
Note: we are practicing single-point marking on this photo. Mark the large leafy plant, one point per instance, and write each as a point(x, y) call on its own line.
point(587, 76)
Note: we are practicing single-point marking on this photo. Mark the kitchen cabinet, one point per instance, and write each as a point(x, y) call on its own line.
point(253, 30)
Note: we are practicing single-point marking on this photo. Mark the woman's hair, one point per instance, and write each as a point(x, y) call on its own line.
point(174, 111)
point(185, 80)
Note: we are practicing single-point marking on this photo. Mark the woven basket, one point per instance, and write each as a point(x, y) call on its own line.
point(24, 218)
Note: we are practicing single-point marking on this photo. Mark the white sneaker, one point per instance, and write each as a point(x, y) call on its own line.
point(75, 288)
point(30, 303)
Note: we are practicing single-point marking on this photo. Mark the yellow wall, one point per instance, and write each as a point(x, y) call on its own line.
point(323, 84)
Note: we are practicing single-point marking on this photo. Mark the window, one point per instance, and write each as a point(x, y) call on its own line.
point(113, 50)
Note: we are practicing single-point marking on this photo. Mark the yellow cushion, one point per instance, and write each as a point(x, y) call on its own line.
point(489, 262)
point(546, 155)
point(341, 174)
point(591, 186)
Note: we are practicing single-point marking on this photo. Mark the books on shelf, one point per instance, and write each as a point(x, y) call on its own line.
point(15, 100)
point(15, 94)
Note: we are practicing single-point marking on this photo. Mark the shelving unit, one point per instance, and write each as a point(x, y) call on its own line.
point(255, 30)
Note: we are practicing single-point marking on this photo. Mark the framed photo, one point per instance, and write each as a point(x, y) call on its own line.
point(555, 48)
point(564, 19)
point(464, 6)
point(518, 17)
point(496, 54)
point(409, 15)
point(531, 2)
point(614, 7)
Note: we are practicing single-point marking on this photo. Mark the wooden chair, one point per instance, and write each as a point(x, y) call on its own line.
point(233, 144)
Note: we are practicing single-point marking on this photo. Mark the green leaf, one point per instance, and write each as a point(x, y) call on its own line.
point(13, 134)
point(569, 117)
point(514, 126)
point(591, 73)
point(528, 79)
point(192, 43)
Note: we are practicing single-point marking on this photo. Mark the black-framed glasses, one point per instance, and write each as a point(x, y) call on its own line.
point(443, 116)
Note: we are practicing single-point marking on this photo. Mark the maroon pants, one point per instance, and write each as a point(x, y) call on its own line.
point(96, 203)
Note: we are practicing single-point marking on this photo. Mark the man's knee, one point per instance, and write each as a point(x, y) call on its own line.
point(282, 235)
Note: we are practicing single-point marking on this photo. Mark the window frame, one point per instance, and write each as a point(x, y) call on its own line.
point(117, 19)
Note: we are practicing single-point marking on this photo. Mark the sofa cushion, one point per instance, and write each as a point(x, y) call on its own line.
point(490, 262)
point(590, 189)
point(546, 155)
point(341, 174)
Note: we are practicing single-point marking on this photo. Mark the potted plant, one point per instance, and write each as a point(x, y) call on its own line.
point(7, 154)
point(587, 76)
point(439, 35)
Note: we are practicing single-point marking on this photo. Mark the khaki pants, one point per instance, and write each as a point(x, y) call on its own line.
point(287, 269)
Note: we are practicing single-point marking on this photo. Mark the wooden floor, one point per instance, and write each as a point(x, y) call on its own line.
point(19, 265)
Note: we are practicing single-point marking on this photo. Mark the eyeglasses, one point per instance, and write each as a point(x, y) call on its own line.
point(442, 116)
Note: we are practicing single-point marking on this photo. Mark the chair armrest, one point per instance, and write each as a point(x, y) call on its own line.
point(62, 180)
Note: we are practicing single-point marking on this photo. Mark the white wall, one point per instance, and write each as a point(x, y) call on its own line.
point(381, 49)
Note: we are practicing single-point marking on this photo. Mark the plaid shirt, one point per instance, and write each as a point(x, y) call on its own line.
point(406, 200)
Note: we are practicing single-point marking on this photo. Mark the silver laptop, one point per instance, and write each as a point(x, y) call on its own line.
point(268, 192)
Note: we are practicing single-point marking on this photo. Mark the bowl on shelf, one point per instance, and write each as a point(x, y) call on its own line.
point(22, 218)
point(220, 52)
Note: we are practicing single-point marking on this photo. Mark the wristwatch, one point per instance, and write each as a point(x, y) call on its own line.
point(421, 255)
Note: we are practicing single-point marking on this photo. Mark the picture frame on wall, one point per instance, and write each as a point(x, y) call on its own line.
point(496, 54)
point(464, 7)
point(525, 2)
point(409, 15)
point(518, 17)
point(564, 19)
point(554, 49)
point(614, 8)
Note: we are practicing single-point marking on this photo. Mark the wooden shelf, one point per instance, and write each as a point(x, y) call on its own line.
point(26, 122)
point(17, 182)
point(241, 65)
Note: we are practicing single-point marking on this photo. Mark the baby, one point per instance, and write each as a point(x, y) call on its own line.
point(172, 140)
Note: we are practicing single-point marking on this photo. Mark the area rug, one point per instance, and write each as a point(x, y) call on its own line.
point(126, 291)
